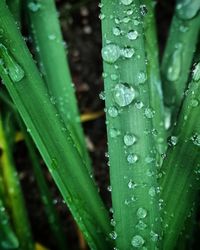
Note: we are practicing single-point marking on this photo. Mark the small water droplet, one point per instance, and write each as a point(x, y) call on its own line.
point(139, 105)
point(110, 53)
point(123, 94)
point(143, 10)
point(152, 191)
point(112, 111)
point(196, 139)
point(142, 77)
point(116, 31)
point(141, 213)
point(34, 7)
point(113, 235)
point(127, 52)
point(114, 132)
point(172, 141)
point(132, 35)
point(196, 72)
point(174, 64)
point(141, 225)
point(149, 113)
point(132, 158)
point(137, 241)
point(129, 139)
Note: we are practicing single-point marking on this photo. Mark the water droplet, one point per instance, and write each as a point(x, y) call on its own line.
point(137, 241)
point(127, 52)
point(196, 139)
point(141, 225)
point(10, 66)
point(34, 7)
point(141, 213)
point(154, 236)
point(142, 77)
point(132, 158)
point(102, 95)
point(173, 140)
point(132, 184)
point(123, 94)
point(132, 35)
point(149, 113)
point(139, 105)
point(143, 10)
point(110, 53)
point(116, 31)
point(174, 65)
point(196, 72)
point(113, 235)
point(126, 2)
point(52, 37)
point(114, 77)
point(129, 139)
point(152, 191)
point(114, 132)
point(194, 103)
point(113, 112)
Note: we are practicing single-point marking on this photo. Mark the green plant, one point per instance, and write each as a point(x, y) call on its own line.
point(154, 182)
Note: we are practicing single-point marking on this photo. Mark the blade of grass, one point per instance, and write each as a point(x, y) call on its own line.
point(153, 73)
point(181, 168)
point(129, 116)
point(14, 193)
point(45, 29)
point(46, 196)
point(52, 138)
point(8, 239)
point(179, 52)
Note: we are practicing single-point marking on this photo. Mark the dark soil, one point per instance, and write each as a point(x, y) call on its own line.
point(82, 31)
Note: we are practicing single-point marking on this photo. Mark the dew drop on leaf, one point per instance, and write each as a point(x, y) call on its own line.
point(110, 53)
point(137, 241)
point(123, 94)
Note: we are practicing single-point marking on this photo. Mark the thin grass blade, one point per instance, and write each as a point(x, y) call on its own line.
point(129, 114)
point(181, 168)
point(178, 55)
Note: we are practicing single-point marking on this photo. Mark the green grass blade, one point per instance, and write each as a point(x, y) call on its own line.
point(132, 153)
point(179, 52)
point(153, 72)
point(14, 194)
point(49, 47)
point(52, 138)
point(8, 239)
point(46, 196)
point(181, 168)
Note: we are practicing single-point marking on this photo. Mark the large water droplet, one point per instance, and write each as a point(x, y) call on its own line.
point(129, 139)
point(110, 53)
point(174, 65)
point(10, 66)
point(123, 94)
point(137, 241)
